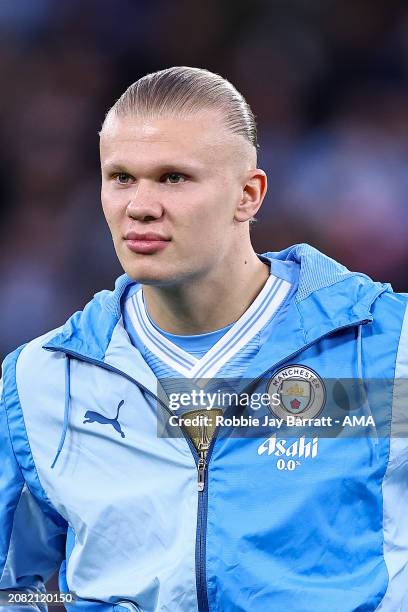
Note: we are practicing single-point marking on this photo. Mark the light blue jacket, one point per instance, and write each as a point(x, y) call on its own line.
point(121, 514)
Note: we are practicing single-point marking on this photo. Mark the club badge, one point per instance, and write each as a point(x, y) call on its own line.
point(301, 392)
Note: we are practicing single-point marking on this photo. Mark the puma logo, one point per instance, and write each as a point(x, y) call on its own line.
point(91, 416)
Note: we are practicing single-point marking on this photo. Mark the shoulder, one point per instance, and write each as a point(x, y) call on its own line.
point(388, 335)
point(28, 362)
point(390, 308)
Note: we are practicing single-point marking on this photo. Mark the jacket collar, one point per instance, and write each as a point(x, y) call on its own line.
point(328, 297)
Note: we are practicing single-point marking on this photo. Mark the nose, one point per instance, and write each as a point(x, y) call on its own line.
point(144, 204)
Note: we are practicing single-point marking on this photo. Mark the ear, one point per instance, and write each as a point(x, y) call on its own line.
point(253, 193)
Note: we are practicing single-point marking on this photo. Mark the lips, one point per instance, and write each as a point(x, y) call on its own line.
point(147, 243)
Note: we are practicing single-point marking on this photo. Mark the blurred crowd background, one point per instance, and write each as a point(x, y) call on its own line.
point(327, 79)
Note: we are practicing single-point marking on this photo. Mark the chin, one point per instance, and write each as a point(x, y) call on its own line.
point(148, 275)
point(158, 278)
point(158, 271)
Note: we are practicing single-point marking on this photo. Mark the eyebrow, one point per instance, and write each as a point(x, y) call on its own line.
point(186, 167)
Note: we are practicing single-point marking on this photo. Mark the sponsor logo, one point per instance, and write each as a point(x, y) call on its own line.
point(289, 453)
point(301, 391)
point(91, 416)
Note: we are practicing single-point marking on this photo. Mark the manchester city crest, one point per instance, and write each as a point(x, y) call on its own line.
point(301, 392)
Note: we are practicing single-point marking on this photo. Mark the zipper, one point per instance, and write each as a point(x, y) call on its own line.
point(201, 465)
point(205, 449)
point(203, 457)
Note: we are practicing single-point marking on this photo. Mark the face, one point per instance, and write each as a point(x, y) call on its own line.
point(171, 192)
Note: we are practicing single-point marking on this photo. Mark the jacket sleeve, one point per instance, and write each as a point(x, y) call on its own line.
point(31, 543)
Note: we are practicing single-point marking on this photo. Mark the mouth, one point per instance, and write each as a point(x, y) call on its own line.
point(147, 243)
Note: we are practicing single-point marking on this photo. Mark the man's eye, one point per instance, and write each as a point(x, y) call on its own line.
point(122, 178)
point(174, 177)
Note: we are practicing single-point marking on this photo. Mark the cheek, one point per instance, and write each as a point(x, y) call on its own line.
point(216, 211)
point(111, 209)
point(209, 205)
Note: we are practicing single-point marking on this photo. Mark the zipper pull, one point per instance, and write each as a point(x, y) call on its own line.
point(203, 446)
point(200, 473)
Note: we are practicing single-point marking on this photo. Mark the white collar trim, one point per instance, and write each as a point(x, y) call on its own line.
point(248, 325)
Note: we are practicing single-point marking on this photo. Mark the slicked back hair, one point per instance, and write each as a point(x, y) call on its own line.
point(180, 91)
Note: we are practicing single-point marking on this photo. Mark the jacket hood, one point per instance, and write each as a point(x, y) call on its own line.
point(328, 296)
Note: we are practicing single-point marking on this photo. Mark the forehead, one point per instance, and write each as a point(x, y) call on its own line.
point(200, 140)
point(201, 136)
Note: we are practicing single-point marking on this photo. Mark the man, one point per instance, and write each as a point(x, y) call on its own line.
point(105, 472)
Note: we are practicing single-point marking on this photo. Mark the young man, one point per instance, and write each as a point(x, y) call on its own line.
point(106, 469)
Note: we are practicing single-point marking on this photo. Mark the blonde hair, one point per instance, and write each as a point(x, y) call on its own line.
point(182, 90)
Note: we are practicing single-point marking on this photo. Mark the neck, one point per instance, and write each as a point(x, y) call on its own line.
point(213, 302)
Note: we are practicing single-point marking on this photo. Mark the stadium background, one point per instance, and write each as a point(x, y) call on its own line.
point(327, 79)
